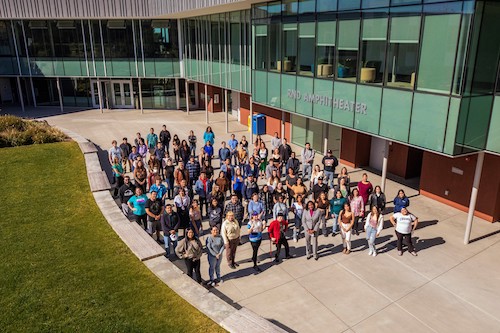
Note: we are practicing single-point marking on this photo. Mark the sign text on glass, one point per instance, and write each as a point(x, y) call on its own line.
point(338, 103)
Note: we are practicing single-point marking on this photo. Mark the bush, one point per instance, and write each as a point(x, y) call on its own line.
point(15, 131)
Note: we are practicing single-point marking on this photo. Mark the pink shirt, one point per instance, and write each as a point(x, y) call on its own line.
point(357, 206)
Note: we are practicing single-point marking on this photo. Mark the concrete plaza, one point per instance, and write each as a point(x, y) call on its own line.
point(449, 287)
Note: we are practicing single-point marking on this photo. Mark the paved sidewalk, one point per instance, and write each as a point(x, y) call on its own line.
point(449, 287)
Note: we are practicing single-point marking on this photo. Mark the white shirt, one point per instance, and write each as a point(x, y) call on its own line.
point(403, 222)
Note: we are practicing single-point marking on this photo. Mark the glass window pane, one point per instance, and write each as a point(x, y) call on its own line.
point(290, 7)
point(260, 42)
point(405, 29)
point(494, 133)
point(259, 11)
point(348, 41)
point(235, 38)
point(326, 5)
point(436, 72)
point(307, 6)
point(274, 8)
point(306, 47)
point(375, 3)
point(373, 50)
point(404, 2)
point(299, 126)
point(395, 115)
point(325, 49)
point(375, 29)
point(274, 45)
point(289, 48)
point(349, 4)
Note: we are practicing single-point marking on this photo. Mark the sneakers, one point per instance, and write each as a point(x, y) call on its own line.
point(370, 252)
point(232, 266)
point(237, 265)
point(295, 239)
point(257, 269)
point(316, 258)
point(374, 253)
point(309, 257)
point(413, 253)
point(400, 253)
point(212, 283)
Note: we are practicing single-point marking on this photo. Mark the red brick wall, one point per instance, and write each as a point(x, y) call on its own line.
point(355, 148)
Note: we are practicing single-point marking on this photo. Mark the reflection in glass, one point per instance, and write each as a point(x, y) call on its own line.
point(289, 63)
point(373, 50)
point(348, 45)
point(260, 38)
point(306, 48)
point(274, 46)
point(325, 49)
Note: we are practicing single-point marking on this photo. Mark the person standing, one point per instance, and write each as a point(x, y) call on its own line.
point(114, 152)
point(176, 145)
point(190, 249)
point(154, 210)
point(170, 224)
point(255, 206)
point(307, 161)
point(290, 180)
point(276, 231)
point(298, 210)
point(215, 247)
point(117, 175)
point(142, 149)
point(237, 183)
point(365, 189)
point(137, 204)
point(405, 223)
point(192, 143)
point(152, 140)
point(214, 214)
point(209, 136)
point(195, 218)
point(250, 187)
point(193, 167)
point(242, 156)
point(319, 187)
point(377, 199)
point(182, 203)
point(235, 206)
point(224, 153)
point(203, 187)
point(285, 153)
point(344, 175)
point(330, 162)
point(169, 178)
point(252, 168)
point(126, 150)
point(401, 201)
point(275, 141)
point(336, 205)
point(322, 205)
point(233, 147)
point(263, 153)
point(165, 138)
point(358, 209)
point(311, 223)
point(255, 228)
point(159, 188)
point(293, 163)
point(140, 176)
point(346, 218)
point(373, 226)
point(280, 207)
point(181, 173)
point(125, 192)
point(230, 232)
point(160, 156)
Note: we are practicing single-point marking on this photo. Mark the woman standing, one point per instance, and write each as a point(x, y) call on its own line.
point(400, 201)
point(273, 181)
point(223, 183)
point(404, 223)
point(192, 142)
point(336, 205)
point(182, 203)
point(244, 142)
point(344, 175)
point(297, 209)
point(299, 188)
point(185, 152)
point(291, 180)
point(365, 188)
point(343, 187)
point(195, 218)
point(263, 152)
point(377, 199)
point(279, 191)
point(214, 214)
point(215, 247)
point(358, 209)
point(169, 178)
point(322, 203)
point(231, 234)
point(217, 195)
point(258, 141)
point(316, 173)
point(242, 155)
point(346, 218)
point(176, 144)
point(117, 175)
point(310, 222)
point(373, 226)
point(207, 169)
point(266, 198)
point(137, 204)
point(190, 249)
point(209, 151)
point(255, 228)
point(140, 176)
point(142, 149)
point(209, 136)
point(237, 183)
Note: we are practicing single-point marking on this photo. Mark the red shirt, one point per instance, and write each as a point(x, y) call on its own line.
point(365, 190)
point(274, 229)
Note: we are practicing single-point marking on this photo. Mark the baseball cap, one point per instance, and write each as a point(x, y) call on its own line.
point(329, 151)
point(281, 214)
point(320, 177)
point(173, 237)
point(255, 214)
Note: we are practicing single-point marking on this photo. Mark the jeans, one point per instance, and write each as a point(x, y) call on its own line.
point(371, 233)
point(322, 220)
point(193, 265)
point(329, 178)
point(306, 171)
point(297, 227)
point(335, 226)
point(170, 188)
point(168, 241)
point(214, 266)
point(408, 240)
point(255, 248)
point(192, 147)
point(126, 210)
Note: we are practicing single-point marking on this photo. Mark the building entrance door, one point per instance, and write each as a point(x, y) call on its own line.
point(114, 94)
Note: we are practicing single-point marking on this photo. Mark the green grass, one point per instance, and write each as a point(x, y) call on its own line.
point(62, 268)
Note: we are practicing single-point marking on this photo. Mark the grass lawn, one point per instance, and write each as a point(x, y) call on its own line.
point(62, 267)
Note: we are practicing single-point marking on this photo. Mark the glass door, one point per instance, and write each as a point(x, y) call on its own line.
point(122, 94)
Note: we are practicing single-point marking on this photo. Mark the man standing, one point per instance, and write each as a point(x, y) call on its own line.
point(203, 187)
point(236, 207)
point(293, 163)
point(152, 140)
point(165, 138)
point(230, 232)
point(330, 162)
point(307, 161)
point(277, 230)
point(310, 223)
point(132, 158)
point(275, 142)
point(154, 209)
point(319, 188)
point(180, 173)
point(126, 150)
point(126, 191)
point(285, 152)
point(170, 224)
point(228, 169)
point(224, 153)
point(193, 167)
point(250, 187)
point(233, 147)
point(115, 151)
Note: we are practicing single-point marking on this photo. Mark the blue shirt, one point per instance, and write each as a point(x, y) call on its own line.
point(233, 143)
point(209, 150)
point(209, 136)
point(160, 190)
point(238, 184)
point(253, 206)
point(139, 202)
point(152, 140)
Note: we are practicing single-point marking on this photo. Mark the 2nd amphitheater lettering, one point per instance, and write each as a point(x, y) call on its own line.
point(337, 103)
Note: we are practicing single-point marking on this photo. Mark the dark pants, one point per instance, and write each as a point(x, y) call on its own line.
point(284, 242)
point(356, 222)
point(170, 188)
point(231, 250)
point(408, 240)
point(118, 183)
point(193, 265)
point(255, 248)
point(142, 219)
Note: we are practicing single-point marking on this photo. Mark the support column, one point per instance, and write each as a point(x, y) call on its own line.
point(251, 120)
point(140, 95)
point(282, 124)
point(99, 92)
point(21, 98)
point(384, 166)
point(33, 92)
point(177, 94)
point(473, 196)
point(206, 103)
point(58, 83)
point(187, 95)
point(226, 110)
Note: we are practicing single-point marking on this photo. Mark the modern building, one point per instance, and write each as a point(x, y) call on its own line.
point(408, 87)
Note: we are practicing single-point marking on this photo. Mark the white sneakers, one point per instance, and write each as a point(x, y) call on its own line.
point(370, 252)
point(374, 253)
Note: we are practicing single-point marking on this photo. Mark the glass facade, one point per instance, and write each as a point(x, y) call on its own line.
point(401, 69)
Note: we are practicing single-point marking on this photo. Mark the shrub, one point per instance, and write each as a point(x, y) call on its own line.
point(15, 131)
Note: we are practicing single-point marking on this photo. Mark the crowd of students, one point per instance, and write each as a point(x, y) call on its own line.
point(167, 185)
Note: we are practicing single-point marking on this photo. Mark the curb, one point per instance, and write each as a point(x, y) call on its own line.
point(151, 254)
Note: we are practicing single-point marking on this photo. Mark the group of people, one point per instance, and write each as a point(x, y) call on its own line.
point(162, 184)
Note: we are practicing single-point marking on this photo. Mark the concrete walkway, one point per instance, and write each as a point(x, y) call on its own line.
point(449, 287)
